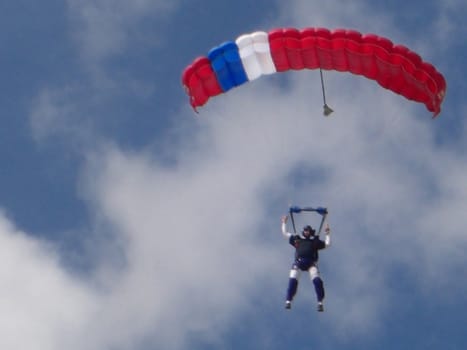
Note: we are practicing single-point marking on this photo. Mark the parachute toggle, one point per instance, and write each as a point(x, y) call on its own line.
point(297, 210)
point(319, 210)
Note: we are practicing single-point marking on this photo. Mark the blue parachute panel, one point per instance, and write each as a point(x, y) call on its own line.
point(227, 65)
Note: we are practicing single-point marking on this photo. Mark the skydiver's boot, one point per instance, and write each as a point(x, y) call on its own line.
point(320, 306)
point(288, 304)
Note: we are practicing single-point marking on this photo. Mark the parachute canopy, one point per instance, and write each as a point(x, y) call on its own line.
point(394, 67)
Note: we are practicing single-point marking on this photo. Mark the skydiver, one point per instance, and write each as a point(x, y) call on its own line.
point(306, 259)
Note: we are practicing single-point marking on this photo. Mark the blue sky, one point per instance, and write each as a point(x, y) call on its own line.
point(129, 222)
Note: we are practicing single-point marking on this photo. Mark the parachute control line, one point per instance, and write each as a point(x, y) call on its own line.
point(326, 109)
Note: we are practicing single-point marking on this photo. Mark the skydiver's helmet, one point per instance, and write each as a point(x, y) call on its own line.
point(308, 231)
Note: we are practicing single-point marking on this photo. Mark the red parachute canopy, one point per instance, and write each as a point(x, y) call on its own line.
point(394, 67)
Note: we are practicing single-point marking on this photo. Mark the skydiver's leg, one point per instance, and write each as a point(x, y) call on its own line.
point(318, 283)
point(294, 277)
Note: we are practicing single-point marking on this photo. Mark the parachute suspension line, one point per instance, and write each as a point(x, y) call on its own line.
point(293, 221)
point(326, 109)
point(323, 219)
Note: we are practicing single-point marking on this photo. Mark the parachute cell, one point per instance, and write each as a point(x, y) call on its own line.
point(394, 67)
point(227, 65)
point(255, 54)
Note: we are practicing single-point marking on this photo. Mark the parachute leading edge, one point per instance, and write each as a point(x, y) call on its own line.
point(394, 67)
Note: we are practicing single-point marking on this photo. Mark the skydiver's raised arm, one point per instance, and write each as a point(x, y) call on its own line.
point(327, 237)
point(284, 227)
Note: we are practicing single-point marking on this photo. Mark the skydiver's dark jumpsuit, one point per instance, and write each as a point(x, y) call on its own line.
point(306, 259)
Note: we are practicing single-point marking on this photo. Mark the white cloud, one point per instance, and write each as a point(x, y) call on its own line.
point(42, 305)
point(105, 27)
point(55, 113)
point(100, 31)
